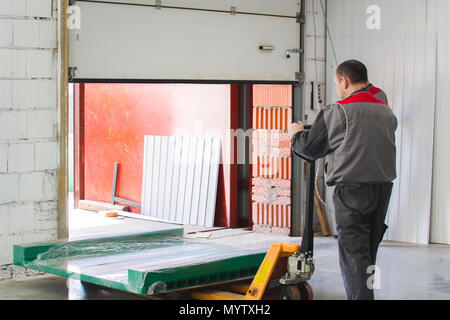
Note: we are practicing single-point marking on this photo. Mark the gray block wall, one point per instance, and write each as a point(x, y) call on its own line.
point(28, 125)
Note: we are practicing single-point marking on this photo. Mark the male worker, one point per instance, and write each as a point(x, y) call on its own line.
point(357, 136)
point(377, 92)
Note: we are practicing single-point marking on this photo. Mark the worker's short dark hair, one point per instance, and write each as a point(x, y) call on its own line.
point(354, 70)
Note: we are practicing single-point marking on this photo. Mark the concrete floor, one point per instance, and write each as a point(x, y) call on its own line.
point(406, 271)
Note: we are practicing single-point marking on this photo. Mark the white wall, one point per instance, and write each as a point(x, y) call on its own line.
point(28, 125)
point(315, 51)
point(416, 17)
point(438, 12)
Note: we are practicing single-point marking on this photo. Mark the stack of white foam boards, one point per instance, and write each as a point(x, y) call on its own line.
point(180, 179)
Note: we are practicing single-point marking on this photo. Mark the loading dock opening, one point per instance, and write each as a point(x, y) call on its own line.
point(111, 120)
point(246, 65)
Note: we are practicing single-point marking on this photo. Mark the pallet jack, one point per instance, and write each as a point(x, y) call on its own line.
point(285, 270)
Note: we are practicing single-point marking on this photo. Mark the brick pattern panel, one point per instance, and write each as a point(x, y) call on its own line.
point(271, 218)
point(271, 170)
point(272, 118)
point(272, 95)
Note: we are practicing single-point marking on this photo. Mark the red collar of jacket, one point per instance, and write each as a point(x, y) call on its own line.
point(361, 96)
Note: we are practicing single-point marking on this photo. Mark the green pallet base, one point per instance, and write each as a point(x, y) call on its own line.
point(148, 263)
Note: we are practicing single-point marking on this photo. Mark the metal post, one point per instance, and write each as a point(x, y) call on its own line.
point(308, 233)
point(244, 123)
point(297, 183)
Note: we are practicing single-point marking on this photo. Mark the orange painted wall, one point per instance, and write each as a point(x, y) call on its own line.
point(117, 116)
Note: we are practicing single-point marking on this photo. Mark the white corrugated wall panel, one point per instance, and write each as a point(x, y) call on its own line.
point(348, 17)
point(438, 12)
point(405, 66)
point(180, 179)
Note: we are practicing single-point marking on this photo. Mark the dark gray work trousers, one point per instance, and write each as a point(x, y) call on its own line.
point(360, 211)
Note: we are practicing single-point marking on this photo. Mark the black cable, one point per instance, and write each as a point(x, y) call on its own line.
point(329, 33)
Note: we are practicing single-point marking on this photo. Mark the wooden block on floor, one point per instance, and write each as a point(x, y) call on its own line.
point(100, 206)
point(109, 214)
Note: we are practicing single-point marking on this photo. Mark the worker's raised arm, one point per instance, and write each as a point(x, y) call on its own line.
point(321, 139)
point(312, 144)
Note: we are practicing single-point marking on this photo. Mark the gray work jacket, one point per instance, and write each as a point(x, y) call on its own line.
point(357, 137)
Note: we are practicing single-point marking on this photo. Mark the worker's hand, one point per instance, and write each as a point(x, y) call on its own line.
point(295, 128)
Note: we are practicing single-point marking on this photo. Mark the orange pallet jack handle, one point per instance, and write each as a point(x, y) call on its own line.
point(262, 277)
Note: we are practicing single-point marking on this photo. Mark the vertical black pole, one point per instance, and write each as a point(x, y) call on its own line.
point(244, 123)
point(308, 233)
point(297, 184)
